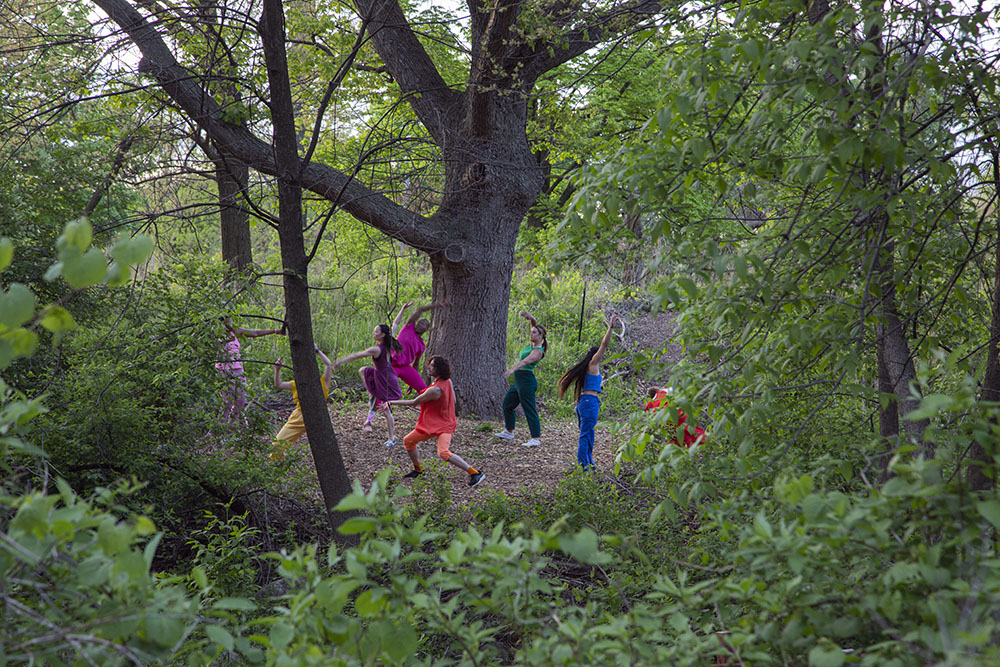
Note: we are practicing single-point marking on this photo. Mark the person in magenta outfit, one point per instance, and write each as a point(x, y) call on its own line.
point(406, 362)
point(585, 378)
point(234, 389)
point(380, 380)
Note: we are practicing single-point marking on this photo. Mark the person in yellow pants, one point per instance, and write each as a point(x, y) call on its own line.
point(295, 428)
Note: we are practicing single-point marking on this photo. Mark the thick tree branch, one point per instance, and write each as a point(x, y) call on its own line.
point(487, 59)
point(545, 55)
point(432, 100)
point(183, 88)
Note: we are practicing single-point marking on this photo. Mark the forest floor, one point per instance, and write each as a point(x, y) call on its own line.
point(510, 468)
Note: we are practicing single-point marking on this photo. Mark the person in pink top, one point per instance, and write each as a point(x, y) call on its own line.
point(407, 362)
point(437, 420)
point(234, 387)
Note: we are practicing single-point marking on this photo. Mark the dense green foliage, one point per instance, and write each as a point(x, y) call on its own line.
point(779, 181)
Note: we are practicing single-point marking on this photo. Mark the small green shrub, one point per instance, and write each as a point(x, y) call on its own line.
point(227, 551)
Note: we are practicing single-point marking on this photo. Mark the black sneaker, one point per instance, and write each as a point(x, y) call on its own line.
point(474, 480)
point(413, 474)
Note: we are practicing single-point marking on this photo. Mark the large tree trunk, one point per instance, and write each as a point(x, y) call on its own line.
point(490, 183)
point(231, 177)
point(476, 340)
point(333, 480)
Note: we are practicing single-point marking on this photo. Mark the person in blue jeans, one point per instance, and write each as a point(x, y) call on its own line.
point(522, 392)
point(585, 378)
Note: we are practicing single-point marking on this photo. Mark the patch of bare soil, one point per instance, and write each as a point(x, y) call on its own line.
point(510, 468)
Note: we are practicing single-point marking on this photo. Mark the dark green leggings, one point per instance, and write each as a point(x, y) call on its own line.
point(522, 393)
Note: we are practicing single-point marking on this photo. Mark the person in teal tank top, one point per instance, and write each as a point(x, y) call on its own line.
point(585, 378)
point(522, 392)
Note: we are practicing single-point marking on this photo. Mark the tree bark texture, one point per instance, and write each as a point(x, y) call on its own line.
point(231, 177)
point(981, 474)
point(333, 479)
point(894, 347)
point(491, 176)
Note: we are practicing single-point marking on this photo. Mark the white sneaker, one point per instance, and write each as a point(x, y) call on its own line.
point(534, 442)
point(506, 435)
point(390, 443)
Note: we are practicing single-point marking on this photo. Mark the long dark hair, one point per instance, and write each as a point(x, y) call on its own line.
point(574, 376)
point(391, 343)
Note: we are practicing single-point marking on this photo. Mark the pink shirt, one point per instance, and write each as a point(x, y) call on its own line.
point(413, 347)
point(231, 348)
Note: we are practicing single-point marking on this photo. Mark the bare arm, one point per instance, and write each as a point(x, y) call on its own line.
point(328, 370)
point(423, 309)
point(536, 355)
point(429, 394)
point(278, 384)
point(254, 333)
point(399, 318)
point(372, 352)
point(531, 320)
point(595, 361)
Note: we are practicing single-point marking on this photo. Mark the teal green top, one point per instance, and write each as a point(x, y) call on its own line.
point(525, 351)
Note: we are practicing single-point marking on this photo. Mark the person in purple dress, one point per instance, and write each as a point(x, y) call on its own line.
point(380, 380)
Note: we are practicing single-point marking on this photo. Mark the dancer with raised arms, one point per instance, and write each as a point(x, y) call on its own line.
point(406, 362)
point(437, 420)
point(585, 378)
point(234, 389)
point(379, 380)
point(522, 392)
point(295, 427)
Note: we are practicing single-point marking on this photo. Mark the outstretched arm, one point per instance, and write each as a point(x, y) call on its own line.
point(595, 361)
point(535, 355)
point(399, 318)
point(278, 384)
point(372, 351)
point(423, 309)
point(328, 370)
point(254, 333)
point(429, 394)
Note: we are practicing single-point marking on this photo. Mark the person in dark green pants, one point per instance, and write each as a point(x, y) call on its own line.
point(522, 392)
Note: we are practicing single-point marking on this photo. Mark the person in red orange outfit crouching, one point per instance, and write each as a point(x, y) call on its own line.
point(659, 400)
point(437, 420)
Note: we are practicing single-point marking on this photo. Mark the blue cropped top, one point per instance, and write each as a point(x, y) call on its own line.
point(591, 383)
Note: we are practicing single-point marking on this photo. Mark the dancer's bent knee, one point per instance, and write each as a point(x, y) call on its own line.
point(444, 444)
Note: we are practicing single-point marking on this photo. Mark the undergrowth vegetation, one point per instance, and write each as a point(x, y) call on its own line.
point(818, 212)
